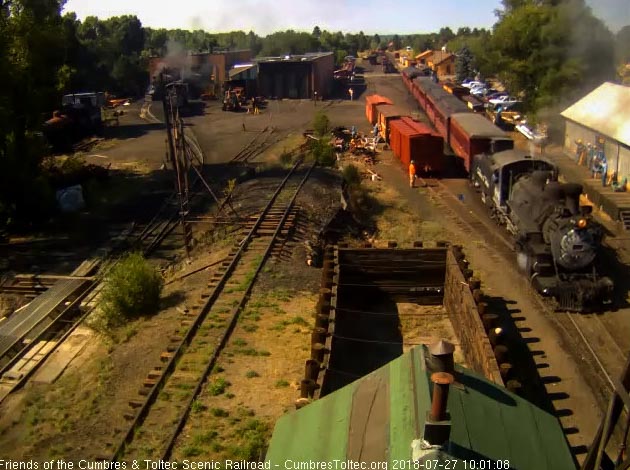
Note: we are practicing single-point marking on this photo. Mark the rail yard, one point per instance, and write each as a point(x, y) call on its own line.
point(284, 284)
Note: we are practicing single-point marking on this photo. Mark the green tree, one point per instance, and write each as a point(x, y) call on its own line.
point(622, 45)
point(550, 51)
point(464, 64)
point(321, 124)
point(31, 53)
point(317, 32)
point(397, 44)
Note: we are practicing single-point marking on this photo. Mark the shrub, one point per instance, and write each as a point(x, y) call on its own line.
point(251, 374)
point(351, 175)
point(321, 124)
point(219, 413)
point(323, 152)
point(132, 288)
point(282, 383)
point(286, 158)
point(218, 386)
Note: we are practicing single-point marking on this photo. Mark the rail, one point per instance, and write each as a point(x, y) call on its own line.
point(183, 346)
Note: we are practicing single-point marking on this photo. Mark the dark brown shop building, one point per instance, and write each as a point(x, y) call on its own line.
point(296, 76)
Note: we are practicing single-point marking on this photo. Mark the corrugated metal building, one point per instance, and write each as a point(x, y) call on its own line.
point(384, 417)
point(603, 114)
point(296, 76)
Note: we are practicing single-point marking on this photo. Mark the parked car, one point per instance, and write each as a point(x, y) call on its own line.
point(495, 95)
point(472, 83)
point(478, 91)
point(503, 99)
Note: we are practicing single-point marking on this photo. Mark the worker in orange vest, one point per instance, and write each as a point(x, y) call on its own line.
point(412, 174)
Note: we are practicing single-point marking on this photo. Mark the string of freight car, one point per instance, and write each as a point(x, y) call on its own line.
point(194, 346)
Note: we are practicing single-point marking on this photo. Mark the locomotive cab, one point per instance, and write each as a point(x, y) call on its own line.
point(495, 175)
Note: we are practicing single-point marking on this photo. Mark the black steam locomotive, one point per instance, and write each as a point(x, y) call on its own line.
point(557, 241)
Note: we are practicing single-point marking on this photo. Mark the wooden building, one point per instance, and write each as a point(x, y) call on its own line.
point(602, 118)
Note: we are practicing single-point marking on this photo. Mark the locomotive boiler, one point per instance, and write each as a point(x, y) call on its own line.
point(557, 241)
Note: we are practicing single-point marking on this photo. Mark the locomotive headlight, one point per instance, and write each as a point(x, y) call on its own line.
point(581, 223)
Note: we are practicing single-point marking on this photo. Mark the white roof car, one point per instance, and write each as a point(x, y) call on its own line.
point(503, 99)
point(473, 84)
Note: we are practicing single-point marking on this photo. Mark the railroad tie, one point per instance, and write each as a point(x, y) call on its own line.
point(129, 416)
point(149, 382)
point(166, 356)
point(135, 404)
point(154, 374)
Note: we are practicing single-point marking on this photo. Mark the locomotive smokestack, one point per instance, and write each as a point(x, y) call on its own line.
point(572, 197)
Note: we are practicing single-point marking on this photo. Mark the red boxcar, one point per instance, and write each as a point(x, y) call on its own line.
point(386, 113)
point(471, 134)
point(371, 101)
point(394, 135)
point(427, 148)
point(411, 140)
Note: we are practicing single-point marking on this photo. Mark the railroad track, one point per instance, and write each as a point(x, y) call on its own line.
point(255, 147)
point(160, 411)
point(584, 332)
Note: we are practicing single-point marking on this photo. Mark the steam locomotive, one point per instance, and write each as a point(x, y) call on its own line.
point(557, 241)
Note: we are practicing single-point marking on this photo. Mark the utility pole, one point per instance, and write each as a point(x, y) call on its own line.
point(177, 153)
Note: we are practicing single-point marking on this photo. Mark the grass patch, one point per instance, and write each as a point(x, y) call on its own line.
point(198, 407)
point(218, 387)
point(251, 374)
point(282, 295)
point(219, 413)
point(240, 342)
point(205, 438)
point(192, 451)
point(250, 328)
point(251, 352)
point(252, 442)
point(282, 383)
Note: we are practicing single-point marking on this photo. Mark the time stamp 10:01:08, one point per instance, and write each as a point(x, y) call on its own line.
point(450, 464)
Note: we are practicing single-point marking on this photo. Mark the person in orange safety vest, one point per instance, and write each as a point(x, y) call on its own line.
point(412, 174)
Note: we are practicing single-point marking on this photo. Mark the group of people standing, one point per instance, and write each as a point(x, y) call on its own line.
point(592, 156)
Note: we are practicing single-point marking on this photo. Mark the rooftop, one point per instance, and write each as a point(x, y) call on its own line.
point(605, 110)
point(478, 126)
point(309, 56)
point(440, 56)
point(376, 418)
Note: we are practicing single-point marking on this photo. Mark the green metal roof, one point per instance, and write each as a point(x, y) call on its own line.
point(376, 418)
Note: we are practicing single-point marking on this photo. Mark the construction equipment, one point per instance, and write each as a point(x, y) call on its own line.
point(79, 116)
point(233, 99)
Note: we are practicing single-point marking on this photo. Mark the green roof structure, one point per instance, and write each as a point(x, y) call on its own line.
point(381, 418)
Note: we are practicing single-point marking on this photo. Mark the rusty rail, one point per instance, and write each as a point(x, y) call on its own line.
point(176, 351)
